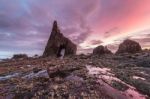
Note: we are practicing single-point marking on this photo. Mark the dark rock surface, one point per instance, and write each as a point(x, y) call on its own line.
point(36, 70)
point(60, 72)
point(56, 41)
point(20, 56)
point(129, 46)
point(80, 77)
point(145, 62)
point(100, 50)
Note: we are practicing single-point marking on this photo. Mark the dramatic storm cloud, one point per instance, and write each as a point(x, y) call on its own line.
point(25, 25)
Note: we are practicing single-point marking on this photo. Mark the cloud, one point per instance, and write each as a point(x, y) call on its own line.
point(96, 42)
point(111, 32)
point(143, 39)
point(28, 24)
point(113, 47)
point(25, 25)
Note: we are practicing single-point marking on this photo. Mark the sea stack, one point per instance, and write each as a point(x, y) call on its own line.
point(129, 46)
point(100, 50)
point(58, 44)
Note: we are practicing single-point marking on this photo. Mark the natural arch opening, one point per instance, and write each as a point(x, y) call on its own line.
point(61, 51)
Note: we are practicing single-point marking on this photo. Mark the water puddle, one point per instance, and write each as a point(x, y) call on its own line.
point(2, 78)
point(97, 70)
point(29, 65)
point(134, 94)
point(137, 77)
point(42, 73)
point(74, 78)
point(144, 73)
point(105, 77)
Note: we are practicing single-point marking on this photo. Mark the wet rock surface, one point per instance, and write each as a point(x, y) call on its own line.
point(81, 77)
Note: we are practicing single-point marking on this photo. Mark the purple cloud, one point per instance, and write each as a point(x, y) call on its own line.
point(96, 42)
point(25, 25)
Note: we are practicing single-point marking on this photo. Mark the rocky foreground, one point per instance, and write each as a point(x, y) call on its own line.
point(122, 76)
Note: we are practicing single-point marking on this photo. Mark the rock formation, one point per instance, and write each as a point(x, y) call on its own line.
point(129, 46)
point(100, 50)
point(20, 56)
point(57, 42)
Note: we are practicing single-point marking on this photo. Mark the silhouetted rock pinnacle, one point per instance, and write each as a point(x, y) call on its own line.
point(55, 28)
point(129, 46)
point(57, 42)
point(101, 50)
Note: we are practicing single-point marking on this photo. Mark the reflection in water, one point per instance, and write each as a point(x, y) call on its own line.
point(104, 74)
point(144, 73)
point(137, 77)
point(134, 94)
point(8, 76)
point(97, 70)
point(42, 73)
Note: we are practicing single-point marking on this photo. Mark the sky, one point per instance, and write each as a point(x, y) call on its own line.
point(25, 25)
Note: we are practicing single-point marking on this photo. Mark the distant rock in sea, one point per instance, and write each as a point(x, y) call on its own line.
point(100, 50)
point(20, 56)
point(129, 46)
point(58, 43)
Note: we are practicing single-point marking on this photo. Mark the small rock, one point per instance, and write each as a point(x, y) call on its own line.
point(36, 70)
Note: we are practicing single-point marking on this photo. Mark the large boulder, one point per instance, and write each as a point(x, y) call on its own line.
point(57, 42)
point(100, 50)
point(129, 46)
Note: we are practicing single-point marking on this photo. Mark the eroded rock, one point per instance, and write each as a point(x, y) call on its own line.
point(129, 46)
point(100, 50)
point(57, 42)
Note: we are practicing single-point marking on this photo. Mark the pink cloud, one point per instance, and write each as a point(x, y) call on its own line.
point(95, 42)
point(81, 21)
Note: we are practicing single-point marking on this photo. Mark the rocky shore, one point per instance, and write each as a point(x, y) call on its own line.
point(121, 76)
